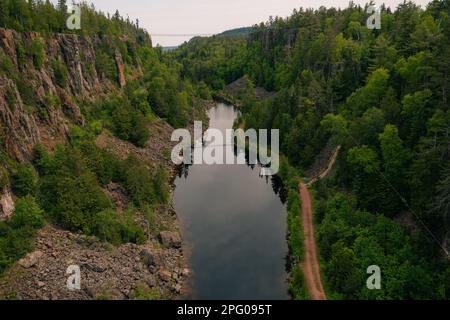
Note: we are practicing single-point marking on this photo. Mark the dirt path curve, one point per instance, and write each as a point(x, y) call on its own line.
point(327, 170)
point(310, 265)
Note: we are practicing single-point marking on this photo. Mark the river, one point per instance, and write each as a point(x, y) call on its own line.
point(234, 225)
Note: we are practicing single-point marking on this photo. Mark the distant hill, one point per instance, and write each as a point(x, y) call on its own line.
point(166, 49)
point(239, 32)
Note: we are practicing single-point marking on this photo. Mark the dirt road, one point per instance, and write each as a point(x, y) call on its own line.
point(310, 265)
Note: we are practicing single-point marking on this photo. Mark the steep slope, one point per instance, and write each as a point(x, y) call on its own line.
point(39, 106)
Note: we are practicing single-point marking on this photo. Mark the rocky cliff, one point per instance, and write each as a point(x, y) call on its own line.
point(44, 80)
point(36, 105)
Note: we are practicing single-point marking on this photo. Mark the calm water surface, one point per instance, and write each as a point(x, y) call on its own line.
point(234, 224)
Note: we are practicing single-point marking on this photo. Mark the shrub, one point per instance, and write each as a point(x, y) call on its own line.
point(26, 91)
point(61, 73)
point(105, 64)
point(36, 50)
point(131, 125)
point(16, 236)
point(123, 122)
point(143, 292)
point(107, 227)
point(11, 99)
point(105, 165)
point(160, 185)
point(27, 213)
point(71, 193)
point(14, 245)
point(24, 181)
point(20, 52)
point(6, 64)
point(42, 160)
point(111, 227)
point(295, 240)
point(138, 182)
point(297, 286)
point(130, 230)
point(140, 133)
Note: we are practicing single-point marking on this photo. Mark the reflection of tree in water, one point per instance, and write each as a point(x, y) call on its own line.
point(276, 182)
point(183, 170)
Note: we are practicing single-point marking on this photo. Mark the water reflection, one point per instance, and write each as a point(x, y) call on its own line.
point(234, 222)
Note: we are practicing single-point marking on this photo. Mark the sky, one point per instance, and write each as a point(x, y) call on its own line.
point(164, 19)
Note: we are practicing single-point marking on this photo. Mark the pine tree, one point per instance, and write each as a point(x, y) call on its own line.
point(62, 8)
point(3, 13)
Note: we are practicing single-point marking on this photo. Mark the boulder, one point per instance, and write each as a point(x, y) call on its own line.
point(6, 205)
point(31, 259)
point(165, 275)
point(170, 239)
point(150, 257)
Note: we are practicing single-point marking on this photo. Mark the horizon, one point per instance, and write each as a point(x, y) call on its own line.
point(172, 22)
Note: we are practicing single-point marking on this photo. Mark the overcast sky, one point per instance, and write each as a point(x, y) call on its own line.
point(210, 16)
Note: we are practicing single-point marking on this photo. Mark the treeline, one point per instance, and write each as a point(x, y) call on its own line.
point(44, 17)
point(383, 95)
point(212, 62)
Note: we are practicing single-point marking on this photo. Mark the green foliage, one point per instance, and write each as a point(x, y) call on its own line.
point(16, 235)
point(143, 292)
point(35, 50)
point(383, 97)
point(365, 158)
point(61, 73)
point(70, 194)
point(105, 65)
point(160, 185)
point(6, 65)
point(138, 182)
point(295, 239)
point(46, 17)
point(131, 125)
point(114, 228)
point(351, 240)
point(20, 53)
point(297, 286)
point(70, 190)
point(11, 98)
point(26, 91)
point(24, 181)
point(27, 213)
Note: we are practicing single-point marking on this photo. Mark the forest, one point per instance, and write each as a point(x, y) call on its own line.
point(383, 96)
point(66, 186)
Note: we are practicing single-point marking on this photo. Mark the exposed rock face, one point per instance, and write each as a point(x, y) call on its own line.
point(46, 118)
point(21, 131)
point(120, 68)
point(118, 195)
point(6, 205)
point(170, 239)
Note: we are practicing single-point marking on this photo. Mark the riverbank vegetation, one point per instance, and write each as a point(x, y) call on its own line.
point(295, 239)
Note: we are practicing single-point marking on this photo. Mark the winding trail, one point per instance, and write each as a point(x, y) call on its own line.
point(327, 170)
point(310, 264)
